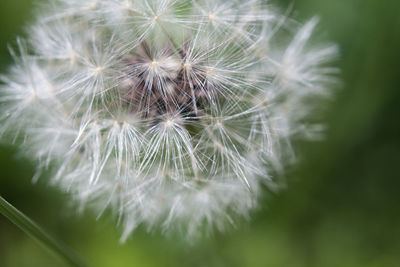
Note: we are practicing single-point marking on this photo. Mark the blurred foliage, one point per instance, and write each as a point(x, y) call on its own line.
point(341, 207)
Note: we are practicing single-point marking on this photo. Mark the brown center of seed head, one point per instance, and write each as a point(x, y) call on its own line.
point(165, 84)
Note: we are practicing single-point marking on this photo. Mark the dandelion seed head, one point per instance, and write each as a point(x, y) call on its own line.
point(171, 113)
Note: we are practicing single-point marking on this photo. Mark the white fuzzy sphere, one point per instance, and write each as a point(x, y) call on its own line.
point(172, 113)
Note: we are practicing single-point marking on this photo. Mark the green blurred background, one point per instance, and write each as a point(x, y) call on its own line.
point(342, 204)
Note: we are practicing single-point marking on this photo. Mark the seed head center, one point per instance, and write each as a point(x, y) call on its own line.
point(187, 66)
point(154, 64)
point(211, 17)
point(156, 18)
point(93, 5)
point(169, 123)
point(218, 123)
point(128, 5)
point(98, 70)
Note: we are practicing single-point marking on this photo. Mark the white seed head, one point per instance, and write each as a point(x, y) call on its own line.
point(169, 112)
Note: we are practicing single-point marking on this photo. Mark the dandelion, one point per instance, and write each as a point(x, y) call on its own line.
point(172, 113)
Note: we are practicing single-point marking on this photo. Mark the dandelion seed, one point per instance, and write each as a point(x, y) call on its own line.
point(172, 113)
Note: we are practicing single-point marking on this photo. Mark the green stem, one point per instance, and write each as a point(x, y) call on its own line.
point(37, 233)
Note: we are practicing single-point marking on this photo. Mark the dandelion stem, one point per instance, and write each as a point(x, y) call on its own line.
point(37, 233)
